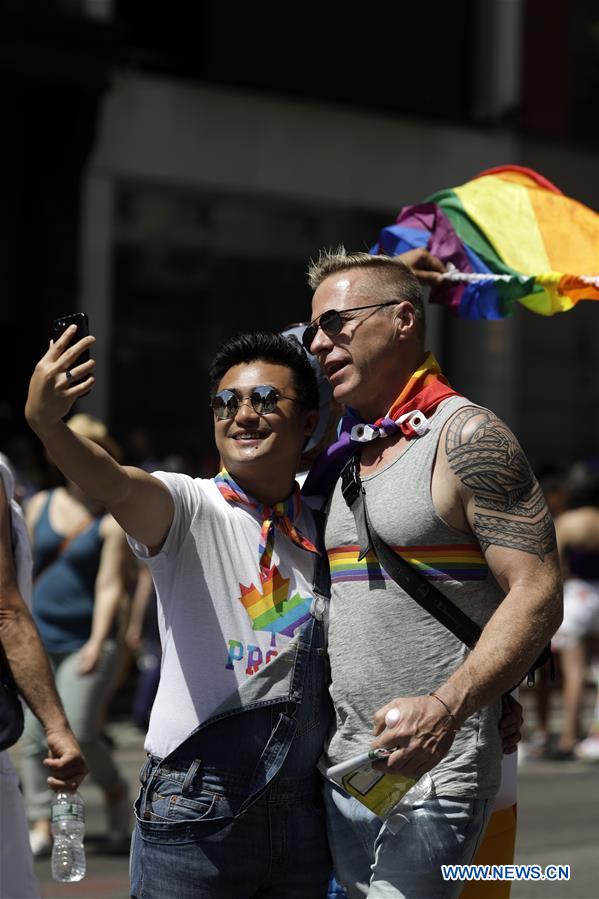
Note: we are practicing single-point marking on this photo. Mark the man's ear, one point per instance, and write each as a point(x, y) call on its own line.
point(310, 422)
point(405, 317)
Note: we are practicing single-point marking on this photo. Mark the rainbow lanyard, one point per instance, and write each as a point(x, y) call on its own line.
point(281, 515)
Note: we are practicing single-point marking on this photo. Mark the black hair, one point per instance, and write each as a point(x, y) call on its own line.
point(271, 347)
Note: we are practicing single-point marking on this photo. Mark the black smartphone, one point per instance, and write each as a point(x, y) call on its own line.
point(60, 325)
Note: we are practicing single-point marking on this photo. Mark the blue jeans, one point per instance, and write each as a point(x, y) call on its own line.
point(277, 849)
point(188, 844)
point(402, 858)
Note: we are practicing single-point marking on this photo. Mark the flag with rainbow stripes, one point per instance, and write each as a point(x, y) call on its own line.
point(509, 235)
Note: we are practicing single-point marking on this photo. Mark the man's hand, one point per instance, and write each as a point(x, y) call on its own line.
point(52, 391)
point(510, 726)
point(427, 268)
point(65, 761)
point(423, 735)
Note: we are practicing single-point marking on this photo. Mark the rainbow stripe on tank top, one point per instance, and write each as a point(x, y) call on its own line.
point(443, 562)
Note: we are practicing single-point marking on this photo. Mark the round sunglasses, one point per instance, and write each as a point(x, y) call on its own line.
point(264, 399)
point(331, 322)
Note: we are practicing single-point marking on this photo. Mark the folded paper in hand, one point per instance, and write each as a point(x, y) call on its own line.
point(378, 791)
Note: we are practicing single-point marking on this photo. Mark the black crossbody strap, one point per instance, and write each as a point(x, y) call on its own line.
point(322, 573)
point(409, 579)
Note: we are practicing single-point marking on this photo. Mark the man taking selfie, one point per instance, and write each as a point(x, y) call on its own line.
point(230, 800)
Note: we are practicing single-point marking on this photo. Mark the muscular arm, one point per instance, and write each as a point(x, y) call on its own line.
point(483, 483)
point(29, 664)
point(140, 503)
point(507, 513)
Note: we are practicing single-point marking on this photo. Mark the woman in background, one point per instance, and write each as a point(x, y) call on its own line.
point(81, 566)
point(577, 639)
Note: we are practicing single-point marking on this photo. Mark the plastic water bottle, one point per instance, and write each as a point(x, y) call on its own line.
point(68, 828)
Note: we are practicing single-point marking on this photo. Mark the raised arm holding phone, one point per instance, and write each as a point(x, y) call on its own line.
point(82, 564)
point(140, 503)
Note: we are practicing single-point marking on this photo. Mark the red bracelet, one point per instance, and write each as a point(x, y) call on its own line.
point(448, 710)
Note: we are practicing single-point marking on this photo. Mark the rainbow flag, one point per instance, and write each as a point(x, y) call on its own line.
point(508, 235)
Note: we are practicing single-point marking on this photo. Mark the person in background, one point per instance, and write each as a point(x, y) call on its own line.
point(143, 639)
point(577, 640)
point(82, 570)
point(537, 744)
point(20, 644)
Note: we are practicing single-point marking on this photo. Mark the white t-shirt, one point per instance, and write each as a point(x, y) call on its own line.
point(218, 624)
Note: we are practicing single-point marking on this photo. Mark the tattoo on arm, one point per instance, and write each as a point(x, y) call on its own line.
point(510, 508)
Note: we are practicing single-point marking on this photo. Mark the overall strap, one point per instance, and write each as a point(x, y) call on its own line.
point(271, 760)
point(279, 743)
point(322, 571)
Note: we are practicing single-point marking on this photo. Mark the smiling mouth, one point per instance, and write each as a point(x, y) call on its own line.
point(250, 435)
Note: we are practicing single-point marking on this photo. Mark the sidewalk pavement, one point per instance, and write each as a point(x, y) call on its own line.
point(558, 822)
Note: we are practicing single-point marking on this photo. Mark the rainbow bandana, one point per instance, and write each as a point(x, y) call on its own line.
point(426, 388)
point(281, 515)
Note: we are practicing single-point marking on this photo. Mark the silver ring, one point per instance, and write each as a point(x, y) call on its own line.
point(69, 376)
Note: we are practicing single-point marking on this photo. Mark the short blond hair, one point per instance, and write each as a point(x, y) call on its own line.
point(94, 429)
point(391, 277)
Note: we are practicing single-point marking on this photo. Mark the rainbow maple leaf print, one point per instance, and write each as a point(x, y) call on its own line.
point(270, 609)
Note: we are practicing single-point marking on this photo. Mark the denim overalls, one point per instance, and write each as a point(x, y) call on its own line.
point(236, 810)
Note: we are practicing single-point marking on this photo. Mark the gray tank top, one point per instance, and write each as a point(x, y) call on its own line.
point(382, 644)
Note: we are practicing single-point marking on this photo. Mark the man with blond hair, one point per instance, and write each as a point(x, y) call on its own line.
point(448, 487)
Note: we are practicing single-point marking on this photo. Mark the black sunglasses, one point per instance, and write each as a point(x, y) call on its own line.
point(264, 399)
point(331, 322)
